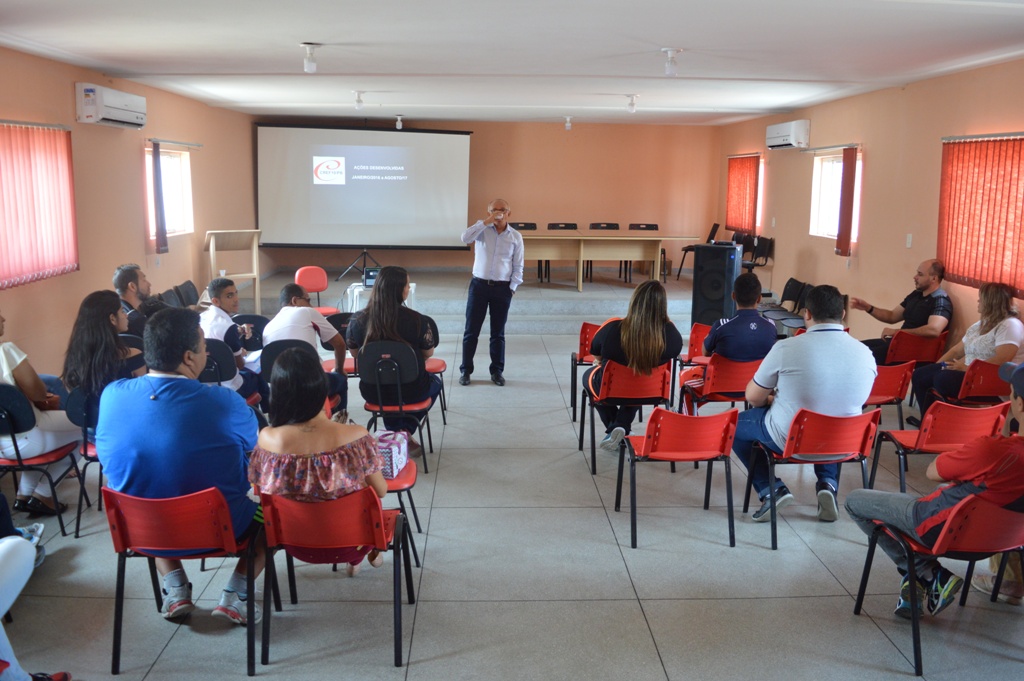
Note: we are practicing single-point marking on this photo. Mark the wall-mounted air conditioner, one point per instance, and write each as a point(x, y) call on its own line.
point(98, 104)
point(795, 134)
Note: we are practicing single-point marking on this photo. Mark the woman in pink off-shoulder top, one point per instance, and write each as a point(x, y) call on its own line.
point(305, 456)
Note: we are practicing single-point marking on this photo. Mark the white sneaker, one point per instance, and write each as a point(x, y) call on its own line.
point(233, 608)
point(33, 532)
point(612, 440)
point(177, 602)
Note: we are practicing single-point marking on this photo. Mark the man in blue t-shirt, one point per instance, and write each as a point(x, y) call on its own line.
point(747, 336)
point(166, 434)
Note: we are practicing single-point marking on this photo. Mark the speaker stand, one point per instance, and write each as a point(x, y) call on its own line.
point(355, 264)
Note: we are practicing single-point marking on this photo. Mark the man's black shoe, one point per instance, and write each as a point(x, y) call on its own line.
point(914, 421)
point(464, 379)
point(497, 378)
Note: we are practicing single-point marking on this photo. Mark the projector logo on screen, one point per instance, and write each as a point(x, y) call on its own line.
point(328, 170)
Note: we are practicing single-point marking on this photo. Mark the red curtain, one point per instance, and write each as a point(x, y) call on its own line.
point(847, 185)
point(741, 196)
point(38, 236)
point(981, 204)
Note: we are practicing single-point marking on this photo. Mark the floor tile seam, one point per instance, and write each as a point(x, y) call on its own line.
point(524, 507)
point(527, 600)
point(748, 598)
point(820, 560)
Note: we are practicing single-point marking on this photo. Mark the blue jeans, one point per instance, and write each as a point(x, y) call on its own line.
point(56, 386)
point(337, 384)
point(408, 423)
point(483, 296)
point(946, 382)
point(751, 427)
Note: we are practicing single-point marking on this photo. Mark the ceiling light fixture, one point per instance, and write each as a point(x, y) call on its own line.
point(631, 107)
point(359, 99)
point(671, 65)
point(568, 122)
point(398, 122)
point(309, 61)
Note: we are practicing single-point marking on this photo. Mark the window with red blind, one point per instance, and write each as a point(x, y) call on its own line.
point(38, 236)
point(981, 211)
point(741, 195)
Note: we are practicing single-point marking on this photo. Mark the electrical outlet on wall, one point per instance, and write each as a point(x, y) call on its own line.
point(910, 240)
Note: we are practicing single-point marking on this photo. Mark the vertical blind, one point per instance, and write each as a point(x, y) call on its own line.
point(38, 234)
point(741, 195)
point(981, 204)
point(847, 193)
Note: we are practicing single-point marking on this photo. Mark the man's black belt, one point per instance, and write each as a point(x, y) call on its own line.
point(491, 282)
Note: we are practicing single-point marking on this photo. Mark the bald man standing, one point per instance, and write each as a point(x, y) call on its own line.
point(925, 312)
point(497, 273)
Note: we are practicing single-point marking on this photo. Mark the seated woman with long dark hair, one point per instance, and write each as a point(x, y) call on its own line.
point(995, 338)
point(386, 318)
point(96, 355)
point(303, 455)
point(645, 339)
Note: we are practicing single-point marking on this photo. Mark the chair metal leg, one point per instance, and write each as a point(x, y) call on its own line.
point(572, 385)
point(632, 494)
point(618, 481)
point(292, 590)
point(584, 399)
point(115, 656)
point(269, 584)
point(728, 500)
point(771, 496)
point(250, 608)
point(707, 486)
point(593, 438)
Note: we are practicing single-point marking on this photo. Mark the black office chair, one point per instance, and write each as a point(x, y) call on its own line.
point(690, 248)
point(187, 293)
point(259, 322)
point(170, 297)
point(83, 410)
point(763, 249)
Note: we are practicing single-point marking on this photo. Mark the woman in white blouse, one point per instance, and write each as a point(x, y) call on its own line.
point(996, 338)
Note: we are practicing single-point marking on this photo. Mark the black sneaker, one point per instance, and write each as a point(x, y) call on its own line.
point(783, 498)
point(828, 509)
point(943, 590)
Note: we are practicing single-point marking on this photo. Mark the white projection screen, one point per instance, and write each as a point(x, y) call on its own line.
point(358, 188)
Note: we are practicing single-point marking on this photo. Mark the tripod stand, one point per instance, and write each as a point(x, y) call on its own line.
point(362, 256)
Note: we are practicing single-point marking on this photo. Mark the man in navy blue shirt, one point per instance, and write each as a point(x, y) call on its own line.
point(747, 336)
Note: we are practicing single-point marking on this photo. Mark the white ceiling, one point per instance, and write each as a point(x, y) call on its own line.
point(520, 60)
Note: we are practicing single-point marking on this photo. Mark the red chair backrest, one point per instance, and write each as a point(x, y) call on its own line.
point(352, 520)
point(619, 382)
point(181, 524)
point(982, 380)
point(980, 526)
point(891, 383)
point(906, 347)
point(726, 376)
point(695, 348)
point(815, 436)
point(668, 432)
point(587, 331)
point(948, 426)
point(311, 278)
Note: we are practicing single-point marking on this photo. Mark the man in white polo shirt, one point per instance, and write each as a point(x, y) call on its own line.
point(297, 320)
point(217, 323)
point(824, 370)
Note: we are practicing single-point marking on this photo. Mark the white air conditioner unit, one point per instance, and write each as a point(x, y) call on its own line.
point(98, 104)
point(788, 135)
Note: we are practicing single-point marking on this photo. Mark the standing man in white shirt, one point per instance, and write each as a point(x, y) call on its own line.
point(497, 273)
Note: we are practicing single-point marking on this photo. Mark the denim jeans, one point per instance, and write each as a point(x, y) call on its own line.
point(897, 509)
point(751, 427)
point(497, 298)
point(56, 386)
point(411, 424)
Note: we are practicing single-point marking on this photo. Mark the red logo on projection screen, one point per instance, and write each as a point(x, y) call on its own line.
point(328, 170)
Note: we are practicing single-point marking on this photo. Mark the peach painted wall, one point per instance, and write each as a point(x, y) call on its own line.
point(593, 173)
point(900, 130)
point(110, 194)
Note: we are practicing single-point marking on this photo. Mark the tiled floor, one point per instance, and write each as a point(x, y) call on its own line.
point(527, 574)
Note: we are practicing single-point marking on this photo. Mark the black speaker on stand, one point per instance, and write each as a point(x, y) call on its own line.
point(715, 268)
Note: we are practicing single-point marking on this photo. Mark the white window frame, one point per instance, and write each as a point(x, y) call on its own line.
point(825, 187)
point(176, 169)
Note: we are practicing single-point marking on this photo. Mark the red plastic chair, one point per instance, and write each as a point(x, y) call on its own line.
point(16, 416)
point(314, 280)
point(906, 347)
point(891, 386)
point(943, 428)
point(580, 358)
point(695, 348)
point(392, 363)
point(724, 381)
point(621, 387)
point(817, 438)
point(347, 522)
point(981, 385)
point(679, 438)
point(975, 529)
point(403, 484)
point(194, 526)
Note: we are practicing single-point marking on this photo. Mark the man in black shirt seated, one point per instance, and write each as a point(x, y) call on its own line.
point(925, 312)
